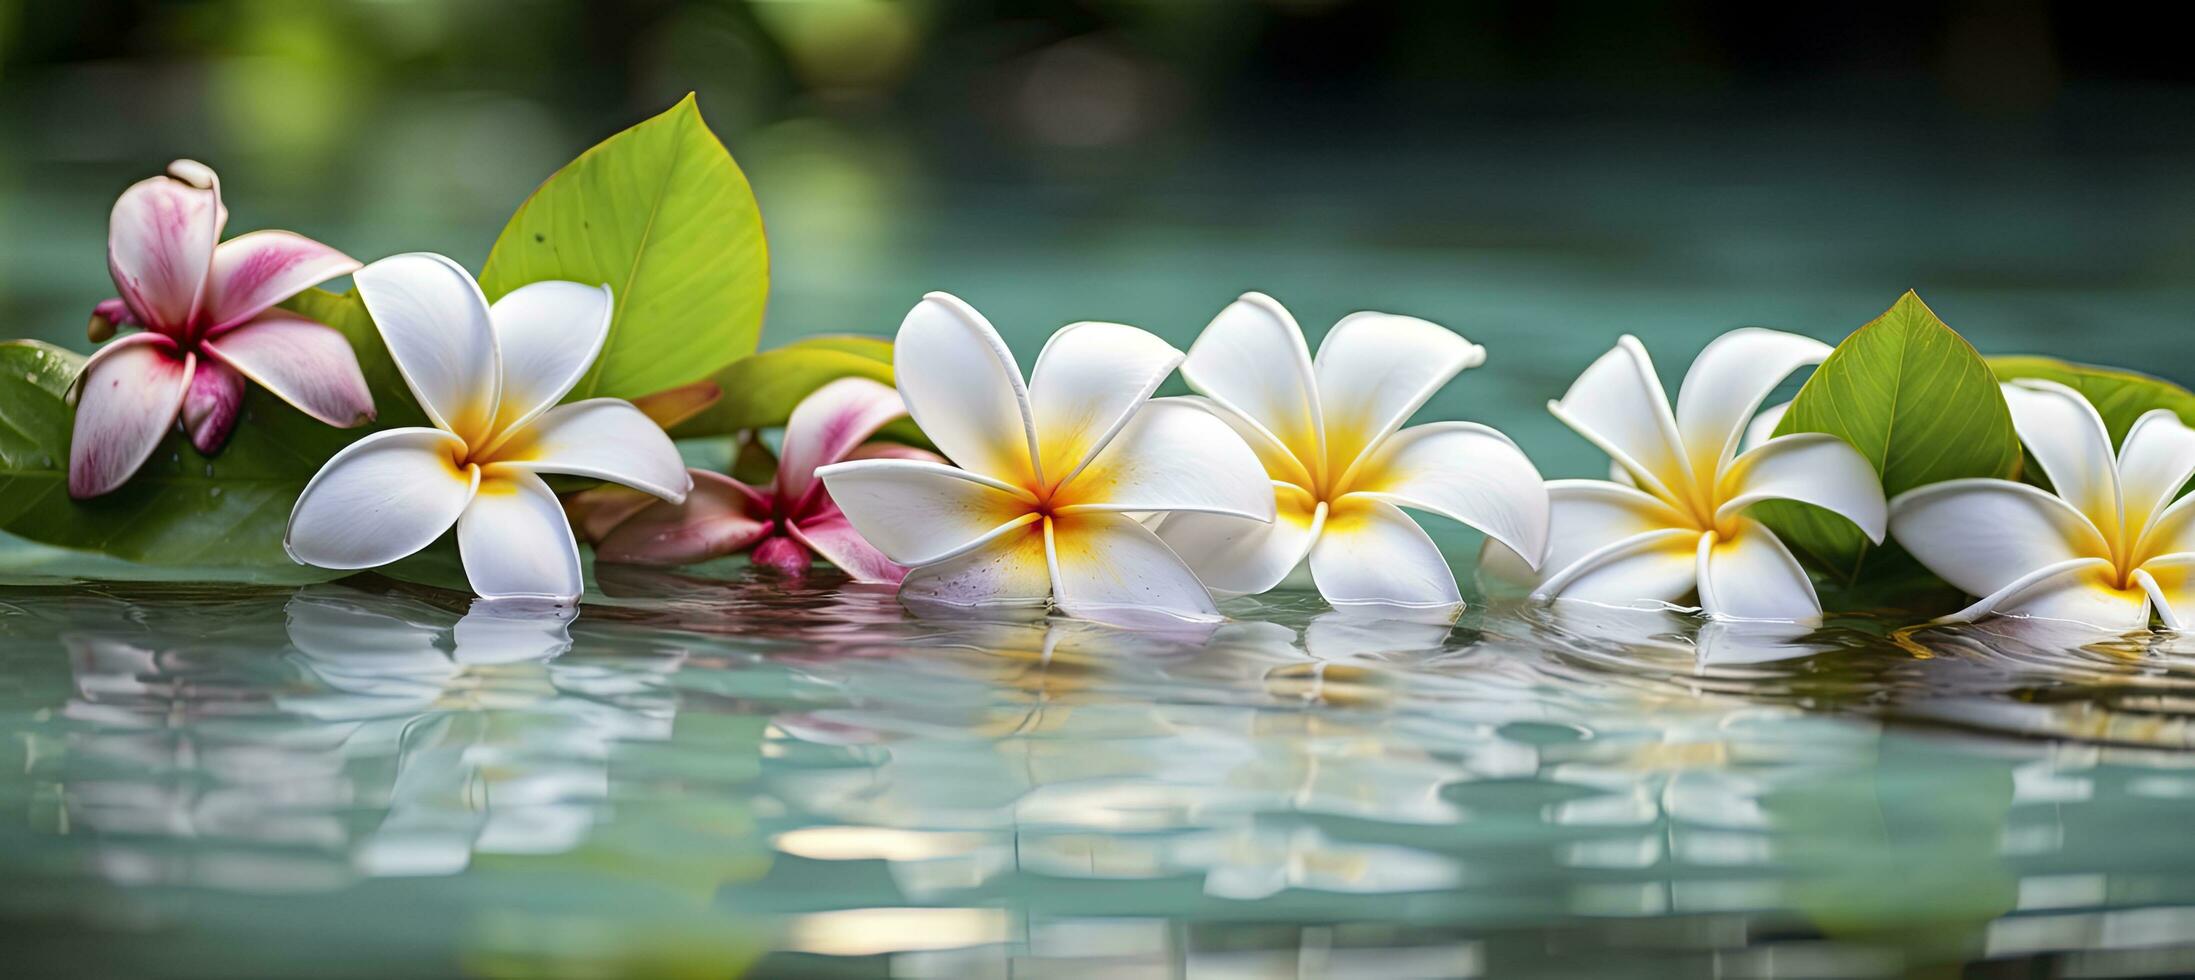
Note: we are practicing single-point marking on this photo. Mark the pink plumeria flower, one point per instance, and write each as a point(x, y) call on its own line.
point(206, 307)
point(781, 524)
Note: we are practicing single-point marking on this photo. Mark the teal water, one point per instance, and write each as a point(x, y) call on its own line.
point(707, 773)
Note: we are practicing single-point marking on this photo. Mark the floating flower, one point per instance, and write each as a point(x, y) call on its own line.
point(2104, 549)
point(1039, 507)
point(489, 379)
point(780, 524)
point(209, 325)
point(1678, 523)
point(1326, 432)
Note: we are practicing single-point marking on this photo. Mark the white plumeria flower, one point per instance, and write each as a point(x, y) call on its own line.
point(1678, 524)
point(1040, 506)
point(1326, 432)
point(490, 379)
point(2106, 548)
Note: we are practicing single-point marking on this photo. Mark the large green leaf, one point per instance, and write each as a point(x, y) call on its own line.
point(1914, 398)
point(662, 215)
point(181, 508)
point(2119, 396)
point(759, 391)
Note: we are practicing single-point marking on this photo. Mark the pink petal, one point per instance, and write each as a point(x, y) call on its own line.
point(160, 241)
point(893, 450)
point(597, 511)
point(308, 364)
point(254, 271)
point(835, 539)
point(782, 555)
point(127, 399)
point(827, 425)
point(721, 516)
point(210, 407)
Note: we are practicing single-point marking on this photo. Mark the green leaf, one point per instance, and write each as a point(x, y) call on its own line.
point(760, 390)
point(1914, 398)
point(2119, 396)
point(181, 508)
point(662, 215)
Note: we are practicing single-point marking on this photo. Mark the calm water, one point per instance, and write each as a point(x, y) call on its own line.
point(706, 773)
point(369, 778)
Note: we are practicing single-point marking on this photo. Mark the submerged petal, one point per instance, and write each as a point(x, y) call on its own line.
point(1010, 569)
point(435, 322)
point(160, 242)
point(1172, 456)
point(254, 271)
point(602, 438)
point(1111, 569)
point(831, 422)
point(1812, 468)
point(548, 334)
point(126, 400)
point(1618, 404)
point(515, 542)
point(1751, 575)
point(2069, 441)
point(1374, 371)
point(1239, 556)
point(721, 516)
point(921, 513)
point(1465, 472)
point(1726, 385)
point(1982, 535)
point(1088, 382)
point(1252, 360)
point(964, 389)
point(308, 364)
point(211, 406)
point(782, 555)
point(379, 499)
point(1371, 553)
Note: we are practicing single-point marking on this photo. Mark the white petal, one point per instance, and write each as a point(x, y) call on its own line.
point(1238, 556)
point(2078, 590)
point(1585, 516)
point(1280, 463)
point(1763, 426)
point(965, 391)
point(1009, 569)
point(2170, 582)
point(1172, 456)
point(1112, 569)
point(2155, 461)
point(1087, 383)
point(2068, 439)
point(1981, 535)
point(1753, 576)
point(1618, 405)
point(548, 334)
point(381, 498)
point(516, 543)
point(1252, 359)
point(1374, 371)
point(1653, 567)
point(602, 438)
point(1465, 472)
point(432, 316)
point(1813, 468)
point(921, 513)
point(1727, 383)
point(1372, 553)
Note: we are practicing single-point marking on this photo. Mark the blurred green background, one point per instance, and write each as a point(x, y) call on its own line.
point(1539, 176)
